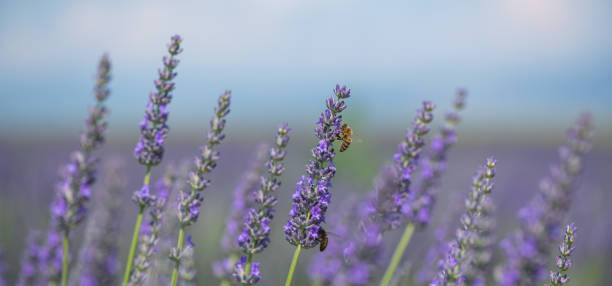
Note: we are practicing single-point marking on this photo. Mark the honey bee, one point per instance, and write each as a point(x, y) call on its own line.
point(324, 239)
point(345, 135)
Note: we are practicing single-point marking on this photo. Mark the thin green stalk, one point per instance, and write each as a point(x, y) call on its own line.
point(130, 259)
point(296, 255)
point(248, 265)
point(397, 255)
point(179, 246)
point(65, 248)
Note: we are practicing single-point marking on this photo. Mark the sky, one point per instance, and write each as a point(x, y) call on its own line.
point(527, 64)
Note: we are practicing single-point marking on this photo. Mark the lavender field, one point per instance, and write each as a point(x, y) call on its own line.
point(305, 144)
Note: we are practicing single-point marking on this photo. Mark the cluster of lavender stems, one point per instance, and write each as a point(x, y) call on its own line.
point(189, 203)
point(255, 236)
point(563, 261)
point(400, 198)
point(528, 249)
point(68, 209)
point(312, 196)
point(151, 231)
point(98, 261)
point(149, 150)
point(241, 203)
point(453, 265)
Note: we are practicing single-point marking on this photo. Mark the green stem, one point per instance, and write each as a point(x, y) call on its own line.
point(248, 265)
point(179, 246)
point(397, 255)
point(296, 255)
point(147, 176)
point(65, 248)
point(130, 259)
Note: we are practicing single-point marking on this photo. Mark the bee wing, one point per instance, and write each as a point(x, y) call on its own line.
point(333, 234)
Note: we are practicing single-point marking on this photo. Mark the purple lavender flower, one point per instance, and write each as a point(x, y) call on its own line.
point(150, 236)
point(480, 257)
point(433, 164)
point(527, 250)
point(74, 189)
point(30, 260)
point(312, 196)
point(452, 266)
point(153, 129)
point(189, 202)
point(563, 262)
point(98, 258)
point(240, 204)
point(256, 227)
point(240, 272)
point(50, 258)
point(391, 202)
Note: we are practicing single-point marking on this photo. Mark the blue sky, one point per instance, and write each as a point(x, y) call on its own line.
point(527, 64)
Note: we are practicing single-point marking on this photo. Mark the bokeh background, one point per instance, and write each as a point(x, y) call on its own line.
point(530, 67)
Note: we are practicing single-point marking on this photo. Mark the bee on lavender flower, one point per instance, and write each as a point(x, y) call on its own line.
point(324, 239)
point(345, 136)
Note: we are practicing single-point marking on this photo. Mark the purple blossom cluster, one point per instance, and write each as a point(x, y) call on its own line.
point(527, 250)
point(392, 200)
point(241, 203)
point(153, 129)
point(151, 232)
point(312, 196)
point(563, 261)
point(453, 264)
point(255, 235)
point(74, 189)
point(205, 162)
point(433, 164)
point(480, 257)
point(188, 206)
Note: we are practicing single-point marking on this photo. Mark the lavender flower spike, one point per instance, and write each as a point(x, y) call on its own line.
point(189, 202)
point(149, 150)
point(153, 129)
point(482, 246)
point(452, 266)
point(150, 236)
point(68, 208)
point(312, 196)
point(559, 278)
point(527, 250)
point(256, 228)
point(434, 163)
point(241, 203)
